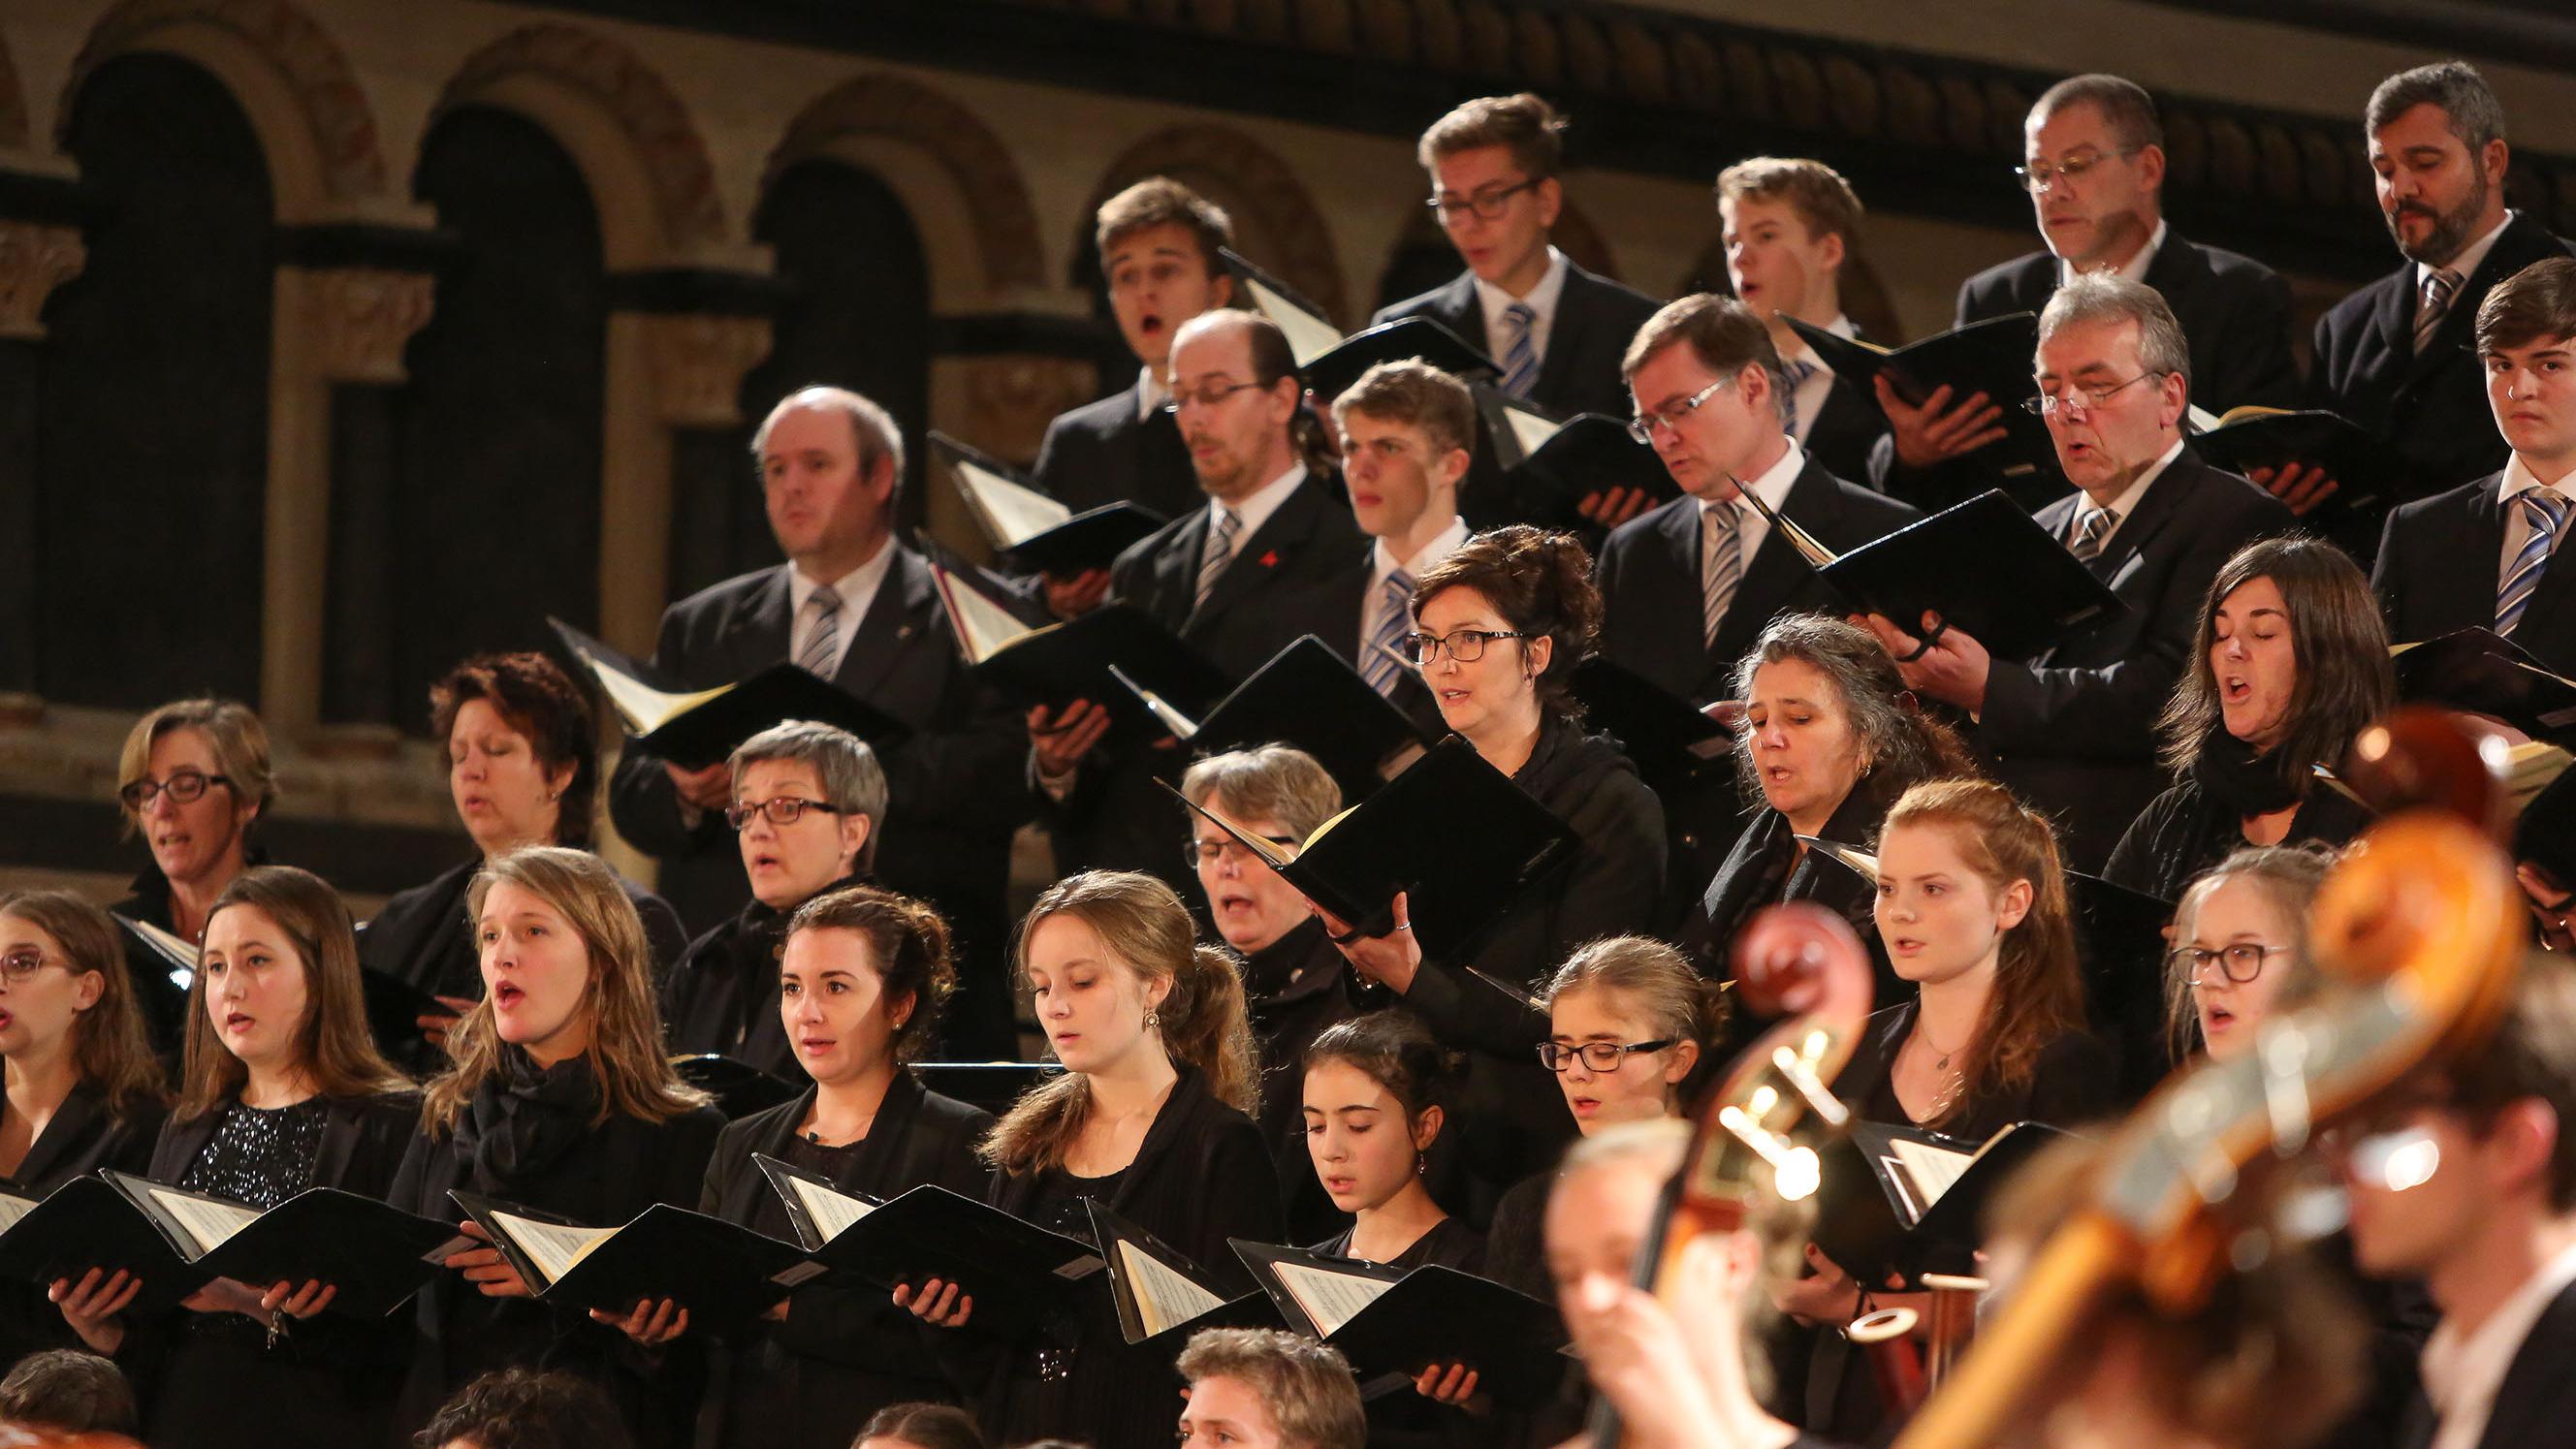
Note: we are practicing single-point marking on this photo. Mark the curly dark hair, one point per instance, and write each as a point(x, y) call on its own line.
point(910, 945)
point(932, 1426)
point(520, 1408)
point(1541, 583)
point(535, 697)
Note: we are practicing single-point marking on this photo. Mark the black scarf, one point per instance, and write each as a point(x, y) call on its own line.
point(524, 1118)
point(2240, 780)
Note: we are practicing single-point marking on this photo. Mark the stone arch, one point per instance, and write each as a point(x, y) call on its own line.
point(636, 143)
point(1276, 221)
point(303, 99)
point(965, 192)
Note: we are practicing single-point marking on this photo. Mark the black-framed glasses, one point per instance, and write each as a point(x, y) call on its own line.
point(1600, 1056)
point(2080, 399)
point(1487, 202)
point(1208, 852)
point(22, 965)
point(184, 787)
point(2239, 961)
point(1642, 426)
point(1207, 394)
point(1464, 645)
point(785, 810)
point(2040, 178)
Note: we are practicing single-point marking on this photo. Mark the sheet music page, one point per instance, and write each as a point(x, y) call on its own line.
point(645, 708)
point(176, 951)
point(1331, 1299)
point(832, 1212)
point(209, 1223)
point(1933, 1169)
point(1017, 514)
point(983, 626)
point(1529, 429)
point(1309, 336)
point(12, 1208)
point(553, 1247)
point(1164, 1296)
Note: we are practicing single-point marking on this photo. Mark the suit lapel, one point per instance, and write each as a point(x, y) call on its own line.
point(2531, 1402)
point(735, 1206)
point(764, 629)
point(1777, 568)
point(341, 1122)
point(894, 616)
point(2393, 320)
point(1262, 553)
point(1686, 618)
point(2164, 500)
point(1566, 334)
point(1461, 311)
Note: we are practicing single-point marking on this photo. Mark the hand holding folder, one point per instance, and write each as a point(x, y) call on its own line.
point(1055, 665)
point(1394, 1323)
point(1015, 1272)
point(723, 1274)
point(1553, 466)
point(1306, 695)
point(1899, 1201)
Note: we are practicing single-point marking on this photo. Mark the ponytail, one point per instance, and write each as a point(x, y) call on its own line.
point(1208, 1025)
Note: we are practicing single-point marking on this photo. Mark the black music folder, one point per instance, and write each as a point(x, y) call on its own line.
point(1330, 361)
point(1983, 565)
point(1162, 1296)
point(1392, 1323)
point(1452, 833)
point(1016, 1271)
point(2250, 437)
point(1667, 735)
point(163, 967)
point(1024, 522)
point(1903, 1201)
point(1308, 696)
point(739, 1088)
point(87, 1223)
point(1056, 664)
point(1551, 464)
point(1310, 333)
point(699, 728)
point(724, 1274)
point(1997, 357)
point(2481, 672)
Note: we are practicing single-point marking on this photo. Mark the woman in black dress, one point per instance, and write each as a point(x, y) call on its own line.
point(560, 1099)
point(862, 983)
point(282, 1090)
point(84, 1090)
point(1149, 1119)
point(2290, 663)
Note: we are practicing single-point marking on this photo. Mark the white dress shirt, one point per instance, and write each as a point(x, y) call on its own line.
point(2462, 1374)
point(1151, 394)
point(1808, 399)
point(1254, 511)
point(2466, 264)
point(2518, 480)
point(1773, 487)
point(2134, 269)
point(857, 590)
point(2130, 497)
point(1542, 299)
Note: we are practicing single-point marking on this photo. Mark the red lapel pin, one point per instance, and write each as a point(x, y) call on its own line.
point(1270, 560)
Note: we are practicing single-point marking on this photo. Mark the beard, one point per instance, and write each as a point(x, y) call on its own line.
point(2450, 229)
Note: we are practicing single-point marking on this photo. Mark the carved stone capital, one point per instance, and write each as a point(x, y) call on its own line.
point(698, 361)
point(363, 317)
point(34, 259)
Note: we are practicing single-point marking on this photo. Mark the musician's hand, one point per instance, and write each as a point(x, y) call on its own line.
point(1450, 1383)
point(1937, 432)
point(2551, 903)
point(1391, 960)
point(296, 1302)
point(485, 1268)
point(1954, 670)
point(938, 1304)
point(1828, 1295)
point(2302, 486)
point(1610, 507)
point(1062, 741)
point(651, 1325)
point(223, 1295)
point(90, 1306)
point(708, 789)
point(1070, 596)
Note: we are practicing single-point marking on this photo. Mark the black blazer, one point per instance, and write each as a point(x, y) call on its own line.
point(79, 1139)
point(2073, 730)
point(1344, 612)
point(1102, 453)
point(2537, 1399)
point(953, 795)
point(844, 1351)
point(2431, 408)
point(1847, 428)
point(2440, 564)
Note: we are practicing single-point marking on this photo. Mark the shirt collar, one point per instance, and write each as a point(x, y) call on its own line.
point(1541, 299)
point(1150, 393)
point(856, 589)
point(2127, 503)
point(2518, 478)
point(1265, 500)
point(1773, 485)
point(2463, 1372)
point(1383, 562)
point(2135, 268)
point(2471, 257)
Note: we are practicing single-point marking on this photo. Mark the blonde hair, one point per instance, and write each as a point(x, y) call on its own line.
point(1204, 1021)
point(234, 735)
point(332, 1044)
point(635, 1076)
point(2290, 877)
point(108, 1040)
point(1306, 1386)
point(1676, 1000)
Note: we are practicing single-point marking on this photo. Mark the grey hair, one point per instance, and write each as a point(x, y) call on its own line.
point(2125, 106)
point(843, 765)
point(872, 425)
point(2453, 86)
point(2101, 297)
point(1897, 742)
point(1268, 782)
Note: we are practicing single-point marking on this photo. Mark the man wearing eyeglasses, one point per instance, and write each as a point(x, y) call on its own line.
point(1687, 588)
point(1556, 329)
point(2094, 167)
point(2073, 729)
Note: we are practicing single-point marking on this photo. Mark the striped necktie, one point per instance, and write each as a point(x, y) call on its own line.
point(2441, 287)
point(822, 637)
point(2088, 539)
point(1219, 552)
point(1799, 372)
point(1520, 359)
point(2545, 510)
point(1386, 641)
point(1721, 565)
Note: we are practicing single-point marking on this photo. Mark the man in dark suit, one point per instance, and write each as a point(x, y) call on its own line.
point(2073, 729)
point(1158, 257)
point(1788, 226)
point(856, 607)
point(1239, 577)
point(2468, 1182)
point(1556, 329)
point(2396, 357)
point(2095, 167)
point(1687, 588)
point(2483, 555)
point(1408, 435)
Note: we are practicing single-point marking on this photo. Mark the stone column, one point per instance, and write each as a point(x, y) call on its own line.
point(35, 258)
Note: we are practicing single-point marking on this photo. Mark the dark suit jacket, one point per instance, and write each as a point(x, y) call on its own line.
point(1846, 430)
point(953, 795)
point(2073, 730)
point(2537, 1399)
point(1102, 453)
point(1344, 611)
point(2439, 569)
point(2431, 407)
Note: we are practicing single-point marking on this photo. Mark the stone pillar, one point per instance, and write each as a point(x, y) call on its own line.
point(674, 381)
point(35, 258)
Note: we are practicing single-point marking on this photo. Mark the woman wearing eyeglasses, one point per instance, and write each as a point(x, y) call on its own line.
point(2291, 665)
point(523, 769)
point(806, 799)
point(1500, 625)
point(194, 780)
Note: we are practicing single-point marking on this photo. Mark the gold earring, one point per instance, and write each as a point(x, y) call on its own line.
point(1153, 1019)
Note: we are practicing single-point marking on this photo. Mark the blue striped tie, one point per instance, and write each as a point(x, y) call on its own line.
point(1520, 360)
point(2545, 510)
point(823, 643)
point(1799, 372)
point(1386, 641)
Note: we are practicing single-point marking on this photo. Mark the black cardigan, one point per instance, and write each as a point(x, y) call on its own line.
point(78, 1139)
point(2185, 831)
point(1296, 987)
point(844, 1352)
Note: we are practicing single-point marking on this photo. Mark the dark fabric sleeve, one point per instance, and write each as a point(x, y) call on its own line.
point(1235, 1194)
point(2261, 370)
point(1618, 876)
point(2138, 861)
point(964, 770)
